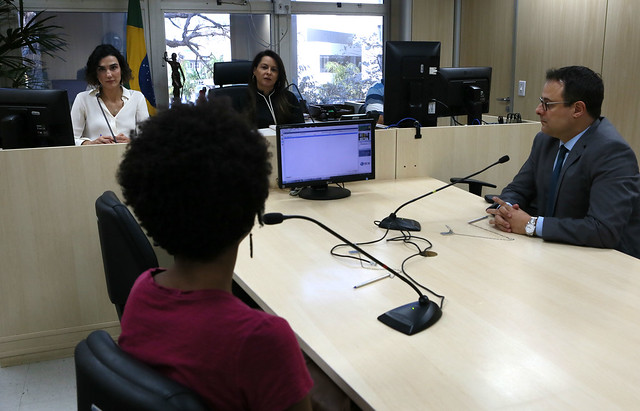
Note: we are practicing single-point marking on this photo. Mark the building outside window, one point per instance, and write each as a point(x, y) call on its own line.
point(339, 57)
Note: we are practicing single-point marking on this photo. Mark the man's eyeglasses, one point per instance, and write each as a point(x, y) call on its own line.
point(546, 104)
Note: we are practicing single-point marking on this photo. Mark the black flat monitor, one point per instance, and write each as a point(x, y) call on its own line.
point(464, 91)
point(410, 76)
point(34, 118)
point(313, 155)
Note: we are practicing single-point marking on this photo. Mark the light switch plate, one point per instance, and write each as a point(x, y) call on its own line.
point(522, 88)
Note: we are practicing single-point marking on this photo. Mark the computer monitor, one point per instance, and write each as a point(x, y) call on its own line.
point(314, 155)
point(410, 76)
point(464, 91)
point(34, 118)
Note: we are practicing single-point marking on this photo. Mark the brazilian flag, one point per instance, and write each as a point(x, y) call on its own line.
point(137, 56)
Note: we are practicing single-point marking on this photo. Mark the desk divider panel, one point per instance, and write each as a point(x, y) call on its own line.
point(53, 289)
point(457, 151)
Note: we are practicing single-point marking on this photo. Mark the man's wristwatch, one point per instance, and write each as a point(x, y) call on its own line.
point(530, 229)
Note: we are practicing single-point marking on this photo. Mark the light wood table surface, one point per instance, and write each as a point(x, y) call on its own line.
point(526, 323)
point(52, 287)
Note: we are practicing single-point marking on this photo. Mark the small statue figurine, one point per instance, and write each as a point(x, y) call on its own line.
point(177, 77)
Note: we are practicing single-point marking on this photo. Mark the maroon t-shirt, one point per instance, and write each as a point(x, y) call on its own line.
point(235, 357)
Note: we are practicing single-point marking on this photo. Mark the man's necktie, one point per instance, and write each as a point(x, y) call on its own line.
point(551, 196)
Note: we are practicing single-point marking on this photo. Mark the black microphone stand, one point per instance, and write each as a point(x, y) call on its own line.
point(303, 103)
point(409, 318)
point(405, 224)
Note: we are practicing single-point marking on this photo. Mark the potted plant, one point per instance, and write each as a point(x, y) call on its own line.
point(25, 30)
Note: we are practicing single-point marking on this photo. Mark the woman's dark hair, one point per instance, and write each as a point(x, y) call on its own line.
point(98, 54)
point(196, 177)
point(281, 105)
point(580, 84)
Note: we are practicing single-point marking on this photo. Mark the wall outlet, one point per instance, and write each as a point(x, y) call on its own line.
point(522, 88)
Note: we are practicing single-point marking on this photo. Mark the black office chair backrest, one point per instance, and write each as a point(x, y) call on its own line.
point(232, 80)
point(110, 379)
point(126, 251)
point(226, 73)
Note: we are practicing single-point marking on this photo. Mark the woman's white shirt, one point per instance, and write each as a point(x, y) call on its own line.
point(89, 121)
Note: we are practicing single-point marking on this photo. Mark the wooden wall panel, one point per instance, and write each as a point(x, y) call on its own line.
point(486, 39)
point(433, 21)
point(555, 34)
point(619, 69)
point(53, 289)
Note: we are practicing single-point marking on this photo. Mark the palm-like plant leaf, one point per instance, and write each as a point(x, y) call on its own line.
point(37, 34)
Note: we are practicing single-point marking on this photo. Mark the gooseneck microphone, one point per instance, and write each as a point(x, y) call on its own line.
point(409, 318)
point(405, 224)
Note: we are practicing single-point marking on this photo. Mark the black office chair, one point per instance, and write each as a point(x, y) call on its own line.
point(110, 379)
point(126, 251)
point(232, 80)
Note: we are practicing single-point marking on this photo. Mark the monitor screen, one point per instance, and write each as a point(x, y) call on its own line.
point(464, 91)
point(410, 75)
point(34, 118)
point(313, 155)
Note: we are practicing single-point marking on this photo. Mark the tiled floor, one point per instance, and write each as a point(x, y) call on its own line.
point(49, 385)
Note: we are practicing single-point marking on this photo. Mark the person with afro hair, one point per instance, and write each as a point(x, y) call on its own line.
point(197, 179)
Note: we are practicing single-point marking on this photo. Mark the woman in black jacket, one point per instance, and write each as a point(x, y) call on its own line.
point(271, 102)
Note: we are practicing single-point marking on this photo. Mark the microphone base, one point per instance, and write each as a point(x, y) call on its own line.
point(400, 224)
point(412, 318)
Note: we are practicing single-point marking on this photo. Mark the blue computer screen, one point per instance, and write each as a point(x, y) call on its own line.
point(329, 152)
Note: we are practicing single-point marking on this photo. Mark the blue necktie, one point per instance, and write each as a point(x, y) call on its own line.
point(551, 196)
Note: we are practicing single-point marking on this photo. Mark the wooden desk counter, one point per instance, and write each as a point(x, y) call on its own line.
point(52, 286)
point(526, 324)
point(53, 290)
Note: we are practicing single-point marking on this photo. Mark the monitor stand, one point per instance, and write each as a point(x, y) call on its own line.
point(12, 130)
point(473, 99)
point(324, 192)
point(474, 113)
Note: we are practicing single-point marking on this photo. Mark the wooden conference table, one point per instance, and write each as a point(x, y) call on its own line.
point(48, 220)
point(526, 324)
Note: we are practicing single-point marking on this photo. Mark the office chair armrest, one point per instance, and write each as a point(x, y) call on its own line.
point(111, 379)
point(475, 186)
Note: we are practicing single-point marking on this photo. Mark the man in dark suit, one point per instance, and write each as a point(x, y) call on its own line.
point(587, 193)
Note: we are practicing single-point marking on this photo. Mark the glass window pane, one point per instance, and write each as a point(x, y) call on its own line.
point(83, 32)
point(338, 57)
point(201, 39)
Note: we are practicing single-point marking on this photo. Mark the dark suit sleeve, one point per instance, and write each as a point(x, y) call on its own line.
point(600, 206)
point(523, 189)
